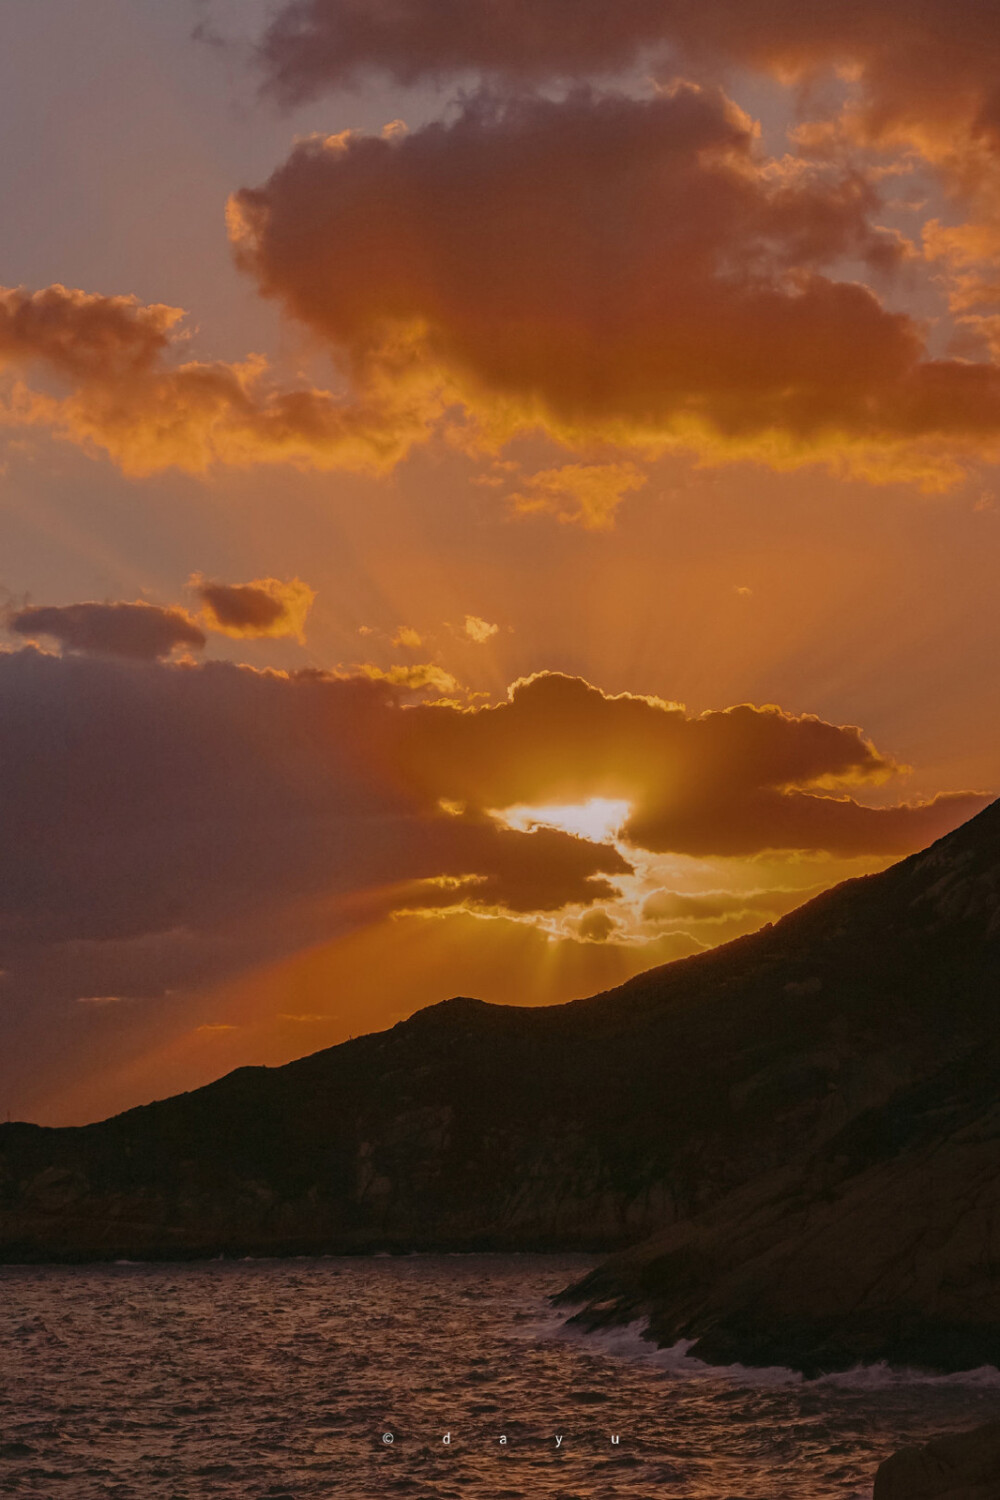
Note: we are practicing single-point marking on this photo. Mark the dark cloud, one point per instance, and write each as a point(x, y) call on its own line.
point(144, 632)
point(652, 279)
point(265, 607)
point(925, 69)
point(166, 822)
point(169, 823)
point(312, 45)
point(769, 818)
point(734, 782)
point(597, 926)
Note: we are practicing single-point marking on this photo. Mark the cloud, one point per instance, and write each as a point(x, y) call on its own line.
point(144, 632)
point(924, 71)
point(83, 336)
point(786, 819)
point(122, 391)
point(479, 630)
point(407, 636)
point(585, 494)
point(737, 781)
point(170, 825)
point(596, 926)
point(665, 906)
point(655, 281)
point(966, 262)
point(312, 45)
point(265, 607)
point(414, 676)
point(697, 300)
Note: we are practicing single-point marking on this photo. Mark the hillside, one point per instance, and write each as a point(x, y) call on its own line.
point(788, 1117)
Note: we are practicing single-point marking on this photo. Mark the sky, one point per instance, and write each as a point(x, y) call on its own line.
point(494, 496)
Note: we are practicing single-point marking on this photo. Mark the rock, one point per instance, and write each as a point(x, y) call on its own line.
point(963, 1466)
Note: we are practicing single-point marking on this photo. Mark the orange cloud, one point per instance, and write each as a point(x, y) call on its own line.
point(479, 630)
point(654, 281)
point(407, 636)
point(144, 632)
point(966, 258)
point(668, 907)
point(585, 494)
point(82, 335)
point(415, 676)
point(265, 607)
point(129, 397)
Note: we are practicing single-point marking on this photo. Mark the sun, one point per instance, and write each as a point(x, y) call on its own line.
point(597, 820)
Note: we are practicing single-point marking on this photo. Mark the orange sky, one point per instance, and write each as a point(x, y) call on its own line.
point(419, 440)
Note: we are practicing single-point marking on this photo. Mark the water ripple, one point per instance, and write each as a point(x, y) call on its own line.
point(281, 1380)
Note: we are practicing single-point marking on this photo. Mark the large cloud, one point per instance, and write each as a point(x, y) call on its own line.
point(166, 823)
point(734, 782)
point(618, 268)
point(926, 69)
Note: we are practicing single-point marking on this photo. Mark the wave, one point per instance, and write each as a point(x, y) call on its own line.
point(629, 1342)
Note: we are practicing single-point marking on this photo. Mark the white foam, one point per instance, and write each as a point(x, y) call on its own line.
point(877, 1377)
point(628, 1342)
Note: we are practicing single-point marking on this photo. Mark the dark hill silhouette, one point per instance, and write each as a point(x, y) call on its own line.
point(805, 1122)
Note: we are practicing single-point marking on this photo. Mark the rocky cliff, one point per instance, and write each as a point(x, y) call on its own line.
point(803, 1122)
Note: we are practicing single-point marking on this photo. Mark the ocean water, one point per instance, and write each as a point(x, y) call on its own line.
point(341, 1377)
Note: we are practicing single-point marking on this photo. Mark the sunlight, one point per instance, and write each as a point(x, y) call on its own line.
point(597, 820)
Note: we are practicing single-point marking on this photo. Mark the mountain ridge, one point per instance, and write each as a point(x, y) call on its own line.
point(717, 1100)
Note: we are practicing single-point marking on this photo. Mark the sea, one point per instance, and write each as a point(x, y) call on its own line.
point(425, 1377)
